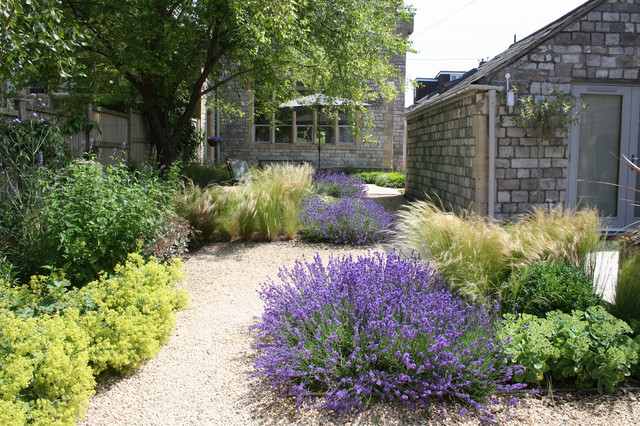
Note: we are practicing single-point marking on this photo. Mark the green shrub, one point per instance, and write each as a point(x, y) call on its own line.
point(390, 180)
point(30, 153)
point(590, 348)
point(44, 369)
point(477, 256)
point(368, 177)
point(543, 287)
point(129, 315)
point(93, 216)
point(205, 174)
point(350, 170)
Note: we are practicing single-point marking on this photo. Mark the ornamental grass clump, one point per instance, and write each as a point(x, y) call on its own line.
point(379, 327)
point(346, 220)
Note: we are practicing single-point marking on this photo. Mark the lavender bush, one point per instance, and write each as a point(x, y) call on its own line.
point(347, 220)
point(379, 327)
point(339, 184)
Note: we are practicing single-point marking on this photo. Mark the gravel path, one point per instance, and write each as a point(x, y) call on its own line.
point(203, 375)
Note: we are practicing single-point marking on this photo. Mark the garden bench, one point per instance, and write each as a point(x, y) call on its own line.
point(237, 169)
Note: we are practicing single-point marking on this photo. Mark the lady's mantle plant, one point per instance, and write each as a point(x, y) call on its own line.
point(377, 327)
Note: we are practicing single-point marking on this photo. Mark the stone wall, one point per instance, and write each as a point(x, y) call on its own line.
point(443, 150)
point(603, 47)
point(385, 152)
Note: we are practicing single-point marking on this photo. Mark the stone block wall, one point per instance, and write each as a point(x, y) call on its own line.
point(441, 152)
point(385, 153)
point(603, 47)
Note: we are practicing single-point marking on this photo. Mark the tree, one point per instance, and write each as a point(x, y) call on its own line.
point(173, 52)
point(32, 39)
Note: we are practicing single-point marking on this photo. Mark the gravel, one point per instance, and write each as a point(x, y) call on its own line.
point(203, 376)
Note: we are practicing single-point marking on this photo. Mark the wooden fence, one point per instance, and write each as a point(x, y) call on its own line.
point(120, 136)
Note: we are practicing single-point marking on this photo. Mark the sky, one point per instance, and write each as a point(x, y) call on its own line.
point(454, 35)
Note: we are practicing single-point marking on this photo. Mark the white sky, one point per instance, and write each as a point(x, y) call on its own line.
point(454, 35)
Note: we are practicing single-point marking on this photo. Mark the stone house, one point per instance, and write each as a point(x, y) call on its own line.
point(304, 135)
point(463, 147)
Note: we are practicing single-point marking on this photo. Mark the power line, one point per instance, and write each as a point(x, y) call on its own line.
point(444, 19)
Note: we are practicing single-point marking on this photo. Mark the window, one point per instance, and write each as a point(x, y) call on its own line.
point(300, 125)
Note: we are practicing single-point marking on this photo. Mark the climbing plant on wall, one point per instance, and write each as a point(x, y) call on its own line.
point(546, 117)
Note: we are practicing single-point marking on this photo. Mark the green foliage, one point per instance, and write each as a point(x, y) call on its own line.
point(93, 216)
point(204, 174)
point(477, 256)
point(349, 170)
point(30, 153)
point(263, 208)
point(188, 50)
point(129, 315)
point(543, 287)
point(44, 295)
point(44, 369)
point(32, 39)
point(172, 239)
point(386, 179)
point(542, 118)
point(627, 302)
point(53, 339)
point(590, 348)
point(391, 180)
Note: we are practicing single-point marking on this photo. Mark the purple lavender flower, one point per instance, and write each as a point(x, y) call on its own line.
point(377, 327)
point(339, 184)
point(348, 220)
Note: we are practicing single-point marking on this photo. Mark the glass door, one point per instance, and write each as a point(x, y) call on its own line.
point(606, 131)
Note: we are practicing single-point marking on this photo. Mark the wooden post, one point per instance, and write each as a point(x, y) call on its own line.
point(21, 106)
point(129, 133)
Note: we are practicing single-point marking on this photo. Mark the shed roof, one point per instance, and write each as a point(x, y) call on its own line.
point(509, 56)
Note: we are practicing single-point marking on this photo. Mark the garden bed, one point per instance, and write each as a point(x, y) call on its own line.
point(204, 374)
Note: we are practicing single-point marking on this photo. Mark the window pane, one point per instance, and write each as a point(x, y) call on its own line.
point(346, 135)
point(262, 133)
point(304, 125)
point(284, 126)
point(598, 169)
point(326, 129)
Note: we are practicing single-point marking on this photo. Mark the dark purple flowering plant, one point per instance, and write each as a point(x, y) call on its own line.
point(377, 327)
point(338, 184)
point(347, 220)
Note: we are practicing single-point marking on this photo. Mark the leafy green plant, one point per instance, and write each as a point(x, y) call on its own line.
point(589, 347)
point(30, 153)
point(204, 174)
point(543, 287)
point(129, 316)
point(391, 180)
point(93, 216)
point(44, 369)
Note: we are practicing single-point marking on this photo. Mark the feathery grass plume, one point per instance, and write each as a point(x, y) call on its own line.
point(627, 292)
point(263, 207)
point(277, 191)
point(208, 209)
point(476, 256)
point(559, 235)
point(473, 254)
